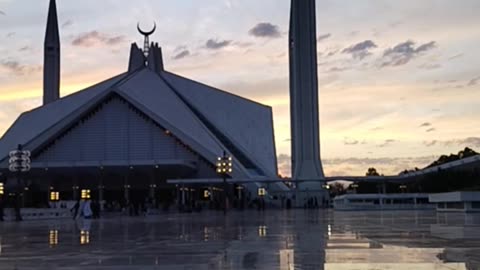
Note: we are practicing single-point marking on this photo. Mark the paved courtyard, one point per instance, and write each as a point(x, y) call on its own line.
point(283, 240)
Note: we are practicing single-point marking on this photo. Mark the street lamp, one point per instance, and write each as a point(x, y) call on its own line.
point(85, 194)
point(224, 168)
point(354, 186)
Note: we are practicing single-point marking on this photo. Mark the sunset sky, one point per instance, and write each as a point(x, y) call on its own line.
point(399, 81)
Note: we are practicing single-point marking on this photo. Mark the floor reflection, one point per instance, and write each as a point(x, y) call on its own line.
point(285, 240)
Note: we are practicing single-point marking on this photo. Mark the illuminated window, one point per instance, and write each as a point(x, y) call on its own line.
point(2, 190)
point(54, 196)
point(53, 238)
point(84, 237)
point(262, 192)
point(85, 194)
point(206, 194)
point(262, 231)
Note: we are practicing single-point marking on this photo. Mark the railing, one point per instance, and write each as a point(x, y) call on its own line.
point(366, 206)
point(37, 214)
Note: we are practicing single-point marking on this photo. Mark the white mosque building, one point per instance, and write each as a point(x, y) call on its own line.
point(127, 135)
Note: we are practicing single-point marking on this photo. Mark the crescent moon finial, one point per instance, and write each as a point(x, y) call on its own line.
point(145, 33)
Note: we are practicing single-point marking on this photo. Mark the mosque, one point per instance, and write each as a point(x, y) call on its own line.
point(126, 136)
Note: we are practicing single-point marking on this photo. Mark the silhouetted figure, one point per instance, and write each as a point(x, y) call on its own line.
point(87, 210)
point(75, 208)
point(1, 208)
point(17, 202)
point(130, 208)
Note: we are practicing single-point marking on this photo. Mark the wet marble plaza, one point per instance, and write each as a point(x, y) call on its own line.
point(282, 240)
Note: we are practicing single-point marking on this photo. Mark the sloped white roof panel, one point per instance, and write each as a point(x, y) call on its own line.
point(32, 123)
point(246, 123)
point(149, 92)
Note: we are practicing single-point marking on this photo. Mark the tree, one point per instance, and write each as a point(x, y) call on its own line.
point(337, 189)
point(467, 152)
point(372, 172)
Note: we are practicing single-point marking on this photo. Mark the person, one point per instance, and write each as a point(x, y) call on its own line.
point(87, 210)
point(17, 206)
point(75, 208)
point(1, 208)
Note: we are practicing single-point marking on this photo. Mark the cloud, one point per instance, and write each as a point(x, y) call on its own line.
point(474, 81)
point(464, 142)
point(430, 143)
point(386, 143)
point(426, 124)
point(348, 141)
point(332, 53)
point(25, 48)
point(430, 130)
point(337, 69)
point(386, 165)
point(430, 66)
point(95, 38)
point(260, 89)
point(360, 50)
point(14, 67)
point(181, 55)
point(284, 164)
point(67, 23)
point(358, 166)
point(323, 37)
point(180, 48)
point(241, 44)
point(265, 30)
point(2, 13)
point(215, 44)
point(455, 56)
point(404, 52)
point(470, 141)
point(11, 34)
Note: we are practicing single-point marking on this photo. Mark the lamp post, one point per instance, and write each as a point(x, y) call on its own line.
point(224, 168)
point(19, 162)
point(354, 186)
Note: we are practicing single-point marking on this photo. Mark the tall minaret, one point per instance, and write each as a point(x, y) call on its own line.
point(306, 164)
point(51, 61)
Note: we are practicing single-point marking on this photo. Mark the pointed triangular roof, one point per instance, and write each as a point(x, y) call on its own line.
point(246, 124)
point(31, 124)
point(149, 93)
point(152, 94)
point(52, 36)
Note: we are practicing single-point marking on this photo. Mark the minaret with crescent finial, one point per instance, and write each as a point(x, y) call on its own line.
point(150, 56)
point(51, 64)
